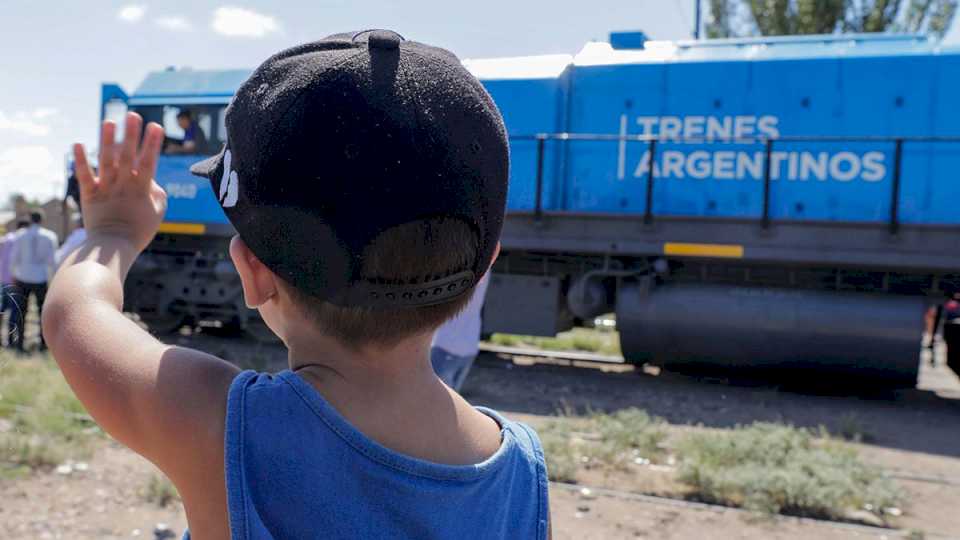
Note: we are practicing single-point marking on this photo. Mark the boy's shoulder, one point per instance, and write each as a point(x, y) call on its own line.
point(260, 403)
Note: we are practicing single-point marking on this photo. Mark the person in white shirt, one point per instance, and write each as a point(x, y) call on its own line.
point(31, 264)
point(73, 241)
point(6, 278)
point(457, 342)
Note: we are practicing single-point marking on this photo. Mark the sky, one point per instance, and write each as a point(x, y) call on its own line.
point(55, 54)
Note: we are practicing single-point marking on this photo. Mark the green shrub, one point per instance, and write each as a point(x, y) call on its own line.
point(604, 440)
point(780, 469)
point(563, 462)
point(505, 340)
point(628, 434)
point(578, 339)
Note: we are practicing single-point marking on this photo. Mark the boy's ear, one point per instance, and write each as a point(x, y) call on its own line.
point(259, 283)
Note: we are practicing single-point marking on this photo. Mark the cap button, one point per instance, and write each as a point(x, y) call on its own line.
point(384, 40)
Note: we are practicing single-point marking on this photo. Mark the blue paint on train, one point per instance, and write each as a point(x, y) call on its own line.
point(190, 199)
point(694, 97)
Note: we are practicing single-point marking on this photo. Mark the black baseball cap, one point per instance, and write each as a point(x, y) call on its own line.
point(333, 142)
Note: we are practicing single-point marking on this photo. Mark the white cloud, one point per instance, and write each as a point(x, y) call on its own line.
point(174, 23)
point(952, 37)
point(41, 113)
point(31, 170)
point(35, 124)
point(240, 22)
point(132, 13)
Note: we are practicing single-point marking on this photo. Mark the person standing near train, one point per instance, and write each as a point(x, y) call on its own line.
point(457, 343)
point(31, 264)
point(6, 278)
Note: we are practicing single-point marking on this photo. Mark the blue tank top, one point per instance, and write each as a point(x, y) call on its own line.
point(296, 469)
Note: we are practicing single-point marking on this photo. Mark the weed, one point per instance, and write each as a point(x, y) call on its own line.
point(160, 491)
point(627, 435)
point(851, 428)
point(780, 469)
point(563, 462)
point(600, 440)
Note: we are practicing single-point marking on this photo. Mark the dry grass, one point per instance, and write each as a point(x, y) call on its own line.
point(600, 341)
point(42, 424)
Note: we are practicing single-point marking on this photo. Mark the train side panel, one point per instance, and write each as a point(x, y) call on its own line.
point(529, 107)
point(190, 199)
point(686, 103)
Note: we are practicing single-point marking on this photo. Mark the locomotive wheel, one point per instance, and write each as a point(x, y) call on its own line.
point(162, 323)
point(228, 329)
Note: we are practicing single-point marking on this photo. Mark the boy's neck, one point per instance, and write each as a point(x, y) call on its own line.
point(369, 367)
point(392, 396)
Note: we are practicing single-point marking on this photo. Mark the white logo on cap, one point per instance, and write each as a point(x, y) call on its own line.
point(229, 183)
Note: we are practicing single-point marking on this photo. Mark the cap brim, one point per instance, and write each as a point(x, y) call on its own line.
point(208, 167)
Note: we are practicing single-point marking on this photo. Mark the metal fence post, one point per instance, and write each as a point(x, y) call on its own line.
point(648, 212)
point(541, 148)
point(895, 195)
point(767, 166)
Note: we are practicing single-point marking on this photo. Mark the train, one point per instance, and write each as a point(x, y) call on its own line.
point(784, 205)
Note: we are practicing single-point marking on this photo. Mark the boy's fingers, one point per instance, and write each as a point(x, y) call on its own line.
point(107, 154)
point(152, 141)
point(82, 168)
point(131, 139)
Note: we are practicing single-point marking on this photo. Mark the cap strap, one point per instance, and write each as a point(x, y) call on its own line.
point(416, 295)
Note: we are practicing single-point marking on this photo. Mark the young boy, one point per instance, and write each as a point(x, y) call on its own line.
point(366, 177)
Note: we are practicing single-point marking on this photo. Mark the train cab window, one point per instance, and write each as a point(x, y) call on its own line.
point(187, 130)
point(196, 130)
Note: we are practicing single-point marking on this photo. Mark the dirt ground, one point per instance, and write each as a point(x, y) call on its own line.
point(913, 434)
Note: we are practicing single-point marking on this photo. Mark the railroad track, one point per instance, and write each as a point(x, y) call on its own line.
point(579, 356)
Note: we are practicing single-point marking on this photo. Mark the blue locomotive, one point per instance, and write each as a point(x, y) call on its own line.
point(772, 203)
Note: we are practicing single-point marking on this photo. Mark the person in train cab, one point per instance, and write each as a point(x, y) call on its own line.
point(366, 176)
point(194, 139)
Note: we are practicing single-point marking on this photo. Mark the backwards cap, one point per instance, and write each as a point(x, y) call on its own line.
point(331, 143)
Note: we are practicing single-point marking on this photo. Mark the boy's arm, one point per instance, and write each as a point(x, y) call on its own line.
point(166, 403)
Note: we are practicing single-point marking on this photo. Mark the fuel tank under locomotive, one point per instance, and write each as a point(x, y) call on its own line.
point(858, 337)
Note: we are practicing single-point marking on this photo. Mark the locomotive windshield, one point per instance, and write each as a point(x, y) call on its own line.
point(190, 129)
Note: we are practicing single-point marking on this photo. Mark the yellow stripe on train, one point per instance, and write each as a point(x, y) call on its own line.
point(182, 228)
point(727, 251)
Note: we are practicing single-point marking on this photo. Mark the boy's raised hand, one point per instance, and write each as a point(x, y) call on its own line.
point(167, 403)
point(124, 200)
